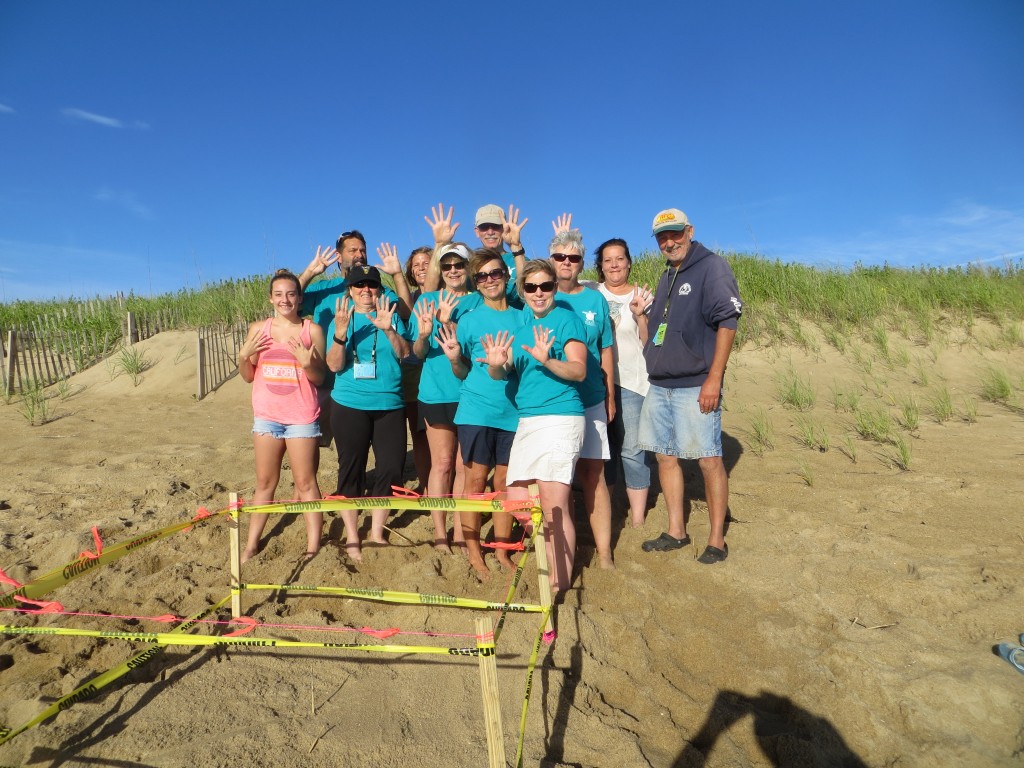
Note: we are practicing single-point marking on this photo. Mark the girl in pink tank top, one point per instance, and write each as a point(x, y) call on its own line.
point(283, 358)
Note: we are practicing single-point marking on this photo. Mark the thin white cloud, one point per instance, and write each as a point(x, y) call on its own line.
point(125, 200)
point(966, 233)
point(92, 117)
point(5, 110)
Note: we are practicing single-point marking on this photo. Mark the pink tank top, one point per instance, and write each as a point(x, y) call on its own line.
point(280, 390)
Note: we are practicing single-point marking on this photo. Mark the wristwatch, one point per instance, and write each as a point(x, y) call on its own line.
point(520, 252)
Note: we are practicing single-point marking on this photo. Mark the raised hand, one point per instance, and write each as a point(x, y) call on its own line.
point(385, 312)
point(511, 228)
point(342, 316)
point(542, 343)
point(497, 349)
point(562, 224)
point(325, 256)
point(388, 255)
point(424, 312)
point(302, 353)
point(447, 301)
point(448, 341)
point(256, 343)
point(441, 225)
point(641, 300)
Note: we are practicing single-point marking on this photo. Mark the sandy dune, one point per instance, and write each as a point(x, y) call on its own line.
point(851, 625)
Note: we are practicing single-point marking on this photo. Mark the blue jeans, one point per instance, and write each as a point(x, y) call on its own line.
point(623, 435)
point(671, 424)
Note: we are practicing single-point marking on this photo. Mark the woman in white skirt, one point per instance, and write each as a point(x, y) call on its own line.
point(549, 358)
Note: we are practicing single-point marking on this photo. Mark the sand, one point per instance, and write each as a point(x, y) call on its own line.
point(852, 624)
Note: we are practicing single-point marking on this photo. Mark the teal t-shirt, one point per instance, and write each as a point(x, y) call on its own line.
point(540, 392)
point(437, 383)
point(592, 310)
point(366, 342)
point(486, 402)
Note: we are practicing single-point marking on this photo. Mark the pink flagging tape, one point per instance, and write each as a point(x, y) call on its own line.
point(380, 634)
point(45, 606)
point(5, 579)
point(99, 546)
point(248, 625)
point(403, 492)
point(516, 546)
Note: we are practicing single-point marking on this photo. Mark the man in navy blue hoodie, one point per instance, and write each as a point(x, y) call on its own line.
point(688, 333)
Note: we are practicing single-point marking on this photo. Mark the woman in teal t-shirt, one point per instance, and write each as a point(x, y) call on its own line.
point(550, 429)
point(365, 345)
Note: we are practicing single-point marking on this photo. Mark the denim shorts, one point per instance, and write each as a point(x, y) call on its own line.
point(671, 424)
point(284, 431)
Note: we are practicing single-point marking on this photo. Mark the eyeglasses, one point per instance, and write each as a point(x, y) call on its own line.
point(489, 227)
point(487, 277)
point(450, 265)
point(546, 287)
point(366, 284)
point(574, 258)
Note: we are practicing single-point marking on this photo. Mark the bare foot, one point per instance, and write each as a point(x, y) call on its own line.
point(637, 522)
point(380, 542)
point(480, 567)
point(249, 553)
point(505, 561)
point(354, 552)
point(605, 562)
point(441, 545)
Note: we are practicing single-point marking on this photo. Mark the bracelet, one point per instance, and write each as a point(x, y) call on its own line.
point(520, 252)
point(340, 341)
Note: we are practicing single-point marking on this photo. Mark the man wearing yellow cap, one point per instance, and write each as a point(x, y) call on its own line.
point(688, 332)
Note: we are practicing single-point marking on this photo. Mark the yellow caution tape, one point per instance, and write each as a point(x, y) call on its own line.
point(529, 688)
point(167, 638)
point(404, 598)
point(61, 576)
point(391, 502)
point(95, 685)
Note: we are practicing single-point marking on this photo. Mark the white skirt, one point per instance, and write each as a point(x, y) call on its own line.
point(545, 448)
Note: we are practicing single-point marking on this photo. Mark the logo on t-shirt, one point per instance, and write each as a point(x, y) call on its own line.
point(588, 317)
point(280, 371)
point(684, 289)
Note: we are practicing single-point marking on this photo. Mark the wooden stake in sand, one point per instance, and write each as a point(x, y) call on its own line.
point(489, 684)
point(543, 571)
point(235, 558)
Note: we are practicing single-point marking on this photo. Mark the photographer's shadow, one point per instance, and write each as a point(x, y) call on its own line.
point(788, 735)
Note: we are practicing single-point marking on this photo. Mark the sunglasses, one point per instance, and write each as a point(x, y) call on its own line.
point(450, 265)
point(489, 227)
point(574, 258)
point(546, 287)
point(493, 275)
point(366, 284)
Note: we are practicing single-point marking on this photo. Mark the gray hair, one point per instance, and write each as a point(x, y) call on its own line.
point(565, 240)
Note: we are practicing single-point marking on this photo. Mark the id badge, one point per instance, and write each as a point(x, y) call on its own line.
point(364, 371)
point(659, 335)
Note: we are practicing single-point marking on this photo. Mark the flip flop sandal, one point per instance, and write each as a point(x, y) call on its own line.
point(713, 555)
point(665, 543)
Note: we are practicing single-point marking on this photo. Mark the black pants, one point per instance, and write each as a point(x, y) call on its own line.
point(355, 432)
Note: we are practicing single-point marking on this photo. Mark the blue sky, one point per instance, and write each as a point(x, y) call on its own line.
point(162, 145)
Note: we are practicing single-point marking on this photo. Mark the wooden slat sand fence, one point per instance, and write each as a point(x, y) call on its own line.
point(37, 355)
point(217, 355)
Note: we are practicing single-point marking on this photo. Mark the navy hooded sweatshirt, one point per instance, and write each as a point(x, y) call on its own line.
point(700, 297)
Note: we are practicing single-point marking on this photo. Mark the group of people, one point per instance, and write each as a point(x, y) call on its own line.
point(507, 371)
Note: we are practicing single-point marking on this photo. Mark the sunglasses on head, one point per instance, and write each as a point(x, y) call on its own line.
point(486, 277)
point(546, 287)
point(489, 227)
point(448, 266)
point(365, 284)
point(574, 258)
